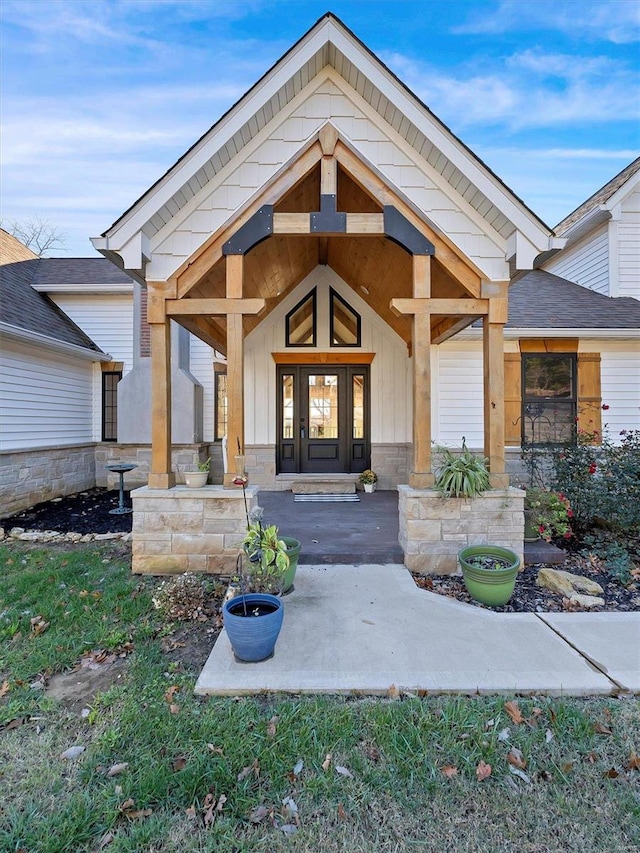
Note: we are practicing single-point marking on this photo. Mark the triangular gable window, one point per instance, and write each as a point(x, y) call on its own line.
point(301, 323)
point(345, 323)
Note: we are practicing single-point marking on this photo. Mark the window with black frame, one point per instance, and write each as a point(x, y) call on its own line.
point(221, 405)
point(110, 381)
point(549, 398)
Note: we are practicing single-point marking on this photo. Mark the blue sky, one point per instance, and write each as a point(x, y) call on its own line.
point(100, 97)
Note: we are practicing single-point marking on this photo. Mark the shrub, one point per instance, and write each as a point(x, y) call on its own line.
point(462, 475)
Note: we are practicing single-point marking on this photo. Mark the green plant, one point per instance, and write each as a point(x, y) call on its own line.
point(206, 465)
point(550, 513)
point(266, 559)
point(368, 477)
point(461, 475)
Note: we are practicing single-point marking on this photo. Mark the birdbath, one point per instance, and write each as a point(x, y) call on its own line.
point(121, 469)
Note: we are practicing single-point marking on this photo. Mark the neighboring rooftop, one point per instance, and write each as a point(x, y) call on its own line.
point(602, 196)
point(77, 271)
point(540, 299)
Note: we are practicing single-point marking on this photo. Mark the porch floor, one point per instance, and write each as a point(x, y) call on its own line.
point(359, 532)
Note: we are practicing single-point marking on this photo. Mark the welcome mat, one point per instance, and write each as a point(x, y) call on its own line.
point(322, 498)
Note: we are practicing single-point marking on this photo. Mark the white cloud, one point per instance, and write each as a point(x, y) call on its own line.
point(617, 21)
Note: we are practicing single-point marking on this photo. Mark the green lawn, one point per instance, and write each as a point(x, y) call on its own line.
point(278, 773)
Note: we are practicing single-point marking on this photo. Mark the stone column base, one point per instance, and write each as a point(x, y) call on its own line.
point(188, 530)
point(433, 529)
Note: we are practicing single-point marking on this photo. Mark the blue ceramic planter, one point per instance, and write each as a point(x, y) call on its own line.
point(253, 638)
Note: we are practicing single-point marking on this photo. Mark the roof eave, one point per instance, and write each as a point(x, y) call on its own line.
point(29, 336)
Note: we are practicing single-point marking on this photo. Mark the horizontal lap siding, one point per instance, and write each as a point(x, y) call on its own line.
point(460, 395)
point(629, 257)
point(586, 264)
point(46, 398)
point(621, 390)
point(201, 366)
point(108, 320)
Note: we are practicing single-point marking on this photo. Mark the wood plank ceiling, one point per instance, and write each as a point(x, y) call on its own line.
point(375, 267)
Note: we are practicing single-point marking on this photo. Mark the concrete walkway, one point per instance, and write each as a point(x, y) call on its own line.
point(368, 629)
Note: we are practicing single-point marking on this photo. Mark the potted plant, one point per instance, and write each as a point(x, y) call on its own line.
point(198, 479)
point(489, 573)
point(253, 619)
point(461, 475)
point(368, 479)
point(547, 514)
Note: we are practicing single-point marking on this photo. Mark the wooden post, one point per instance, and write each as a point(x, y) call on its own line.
point(421, 476)
point(235, 366)
point(161, 476)
point(494, 408)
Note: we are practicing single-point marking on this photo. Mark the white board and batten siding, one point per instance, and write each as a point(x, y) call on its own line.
point(458, 411)
point(629, 247)
point(391, 372)
point(399, 164)
point(46, 398)
point(201, 361)
point(586, 263)
point(620, 376)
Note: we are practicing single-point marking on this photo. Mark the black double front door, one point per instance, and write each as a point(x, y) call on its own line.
point(323, 419)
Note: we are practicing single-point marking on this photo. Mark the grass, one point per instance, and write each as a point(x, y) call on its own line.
point(184, 753)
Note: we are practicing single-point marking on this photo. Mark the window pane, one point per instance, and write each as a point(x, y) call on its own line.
point(301, 323)
point(549, 422)
point(221, 405)
point(358, 406)
point(548, 376)
point(110, 405)
point(345, 323)
point(287, 406)
point(323, 406)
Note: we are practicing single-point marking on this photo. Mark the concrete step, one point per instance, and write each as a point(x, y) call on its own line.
point(324, 485)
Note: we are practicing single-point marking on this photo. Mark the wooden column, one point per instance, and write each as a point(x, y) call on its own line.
point(235, 367)
point(421, 476)
point(160, 475)
point(494, 408)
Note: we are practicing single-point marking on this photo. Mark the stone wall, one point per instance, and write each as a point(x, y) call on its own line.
point(184, 457)
point(434, 529)
point(188, 530)
point(392, 464)
point(29, 477)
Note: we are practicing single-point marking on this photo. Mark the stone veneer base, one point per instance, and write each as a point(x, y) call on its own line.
point(433, 529)
point(188, 530)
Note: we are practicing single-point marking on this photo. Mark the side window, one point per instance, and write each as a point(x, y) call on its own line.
point(110, 381)
point(221, 405)
point(301, 323)
point(549, 398)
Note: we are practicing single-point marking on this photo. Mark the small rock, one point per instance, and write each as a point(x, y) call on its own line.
point(15, 532)
point(72, 753)
point(565, 583)
point(73, 537)
point(101, 536)
point(2, 533)
point(587, 600)
point(88, 537)
point(32, 536)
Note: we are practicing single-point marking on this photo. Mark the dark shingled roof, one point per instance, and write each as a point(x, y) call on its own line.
point(600, 197)
point(52, 271)
point(540, 300)
point(24, 307)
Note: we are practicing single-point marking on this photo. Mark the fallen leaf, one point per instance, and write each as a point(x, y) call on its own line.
point(289, 828)
point(548, 736)
point(291, 810)
point(217, 750)
point(174, 709)
point(38, 626)
point(393, 692)
point(341, 813)
point(14, 724)
point(344, 771)
point(371, 751)
point(208, 810)
point(191, 812)
point(4, 688)
point(326, 764)
point(599, 729)
point(448, 771)
point(592, 757)
point(116, 769)
point(254, 768)
point(171, 692)
point(128, 810)
point(179, 763)
point(504, 734)
point(106, 839)
point(259, 814)
point(568, 767)
point(545, 775)
point(516, 759)
point(611, 773)
point(271, 726)
point(297, 770)
point(483, 771)
point(72, 753)
point(513, 711)
point(634, 762)
point(520, 774)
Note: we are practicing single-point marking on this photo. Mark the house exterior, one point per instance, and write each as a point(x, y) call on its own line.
point(334, 281)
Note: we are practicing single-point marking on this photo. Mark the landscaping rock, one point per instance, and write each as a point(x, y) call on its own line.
point(34, 536)
point(99, 536)
point(15, 532)
point(88, 537)
point(587, 601)
point(567, 584)
point(73, 537)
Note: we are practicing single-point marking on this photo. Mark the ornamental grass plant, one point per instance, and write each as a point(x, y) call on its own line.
point(461, 474)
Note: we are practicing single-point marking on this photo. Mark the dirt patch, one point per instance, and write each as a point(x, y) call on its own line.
point(76, 690)
point(85, 512)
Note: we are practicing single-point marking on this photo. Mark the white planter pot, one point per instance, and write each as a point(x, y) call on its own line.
point(196, 479)
point(369, 487)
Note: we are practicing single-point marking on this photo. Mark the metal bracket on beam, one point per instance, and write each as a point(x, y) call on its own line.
point(398, 228)
point(328, 221)
point(254, 231)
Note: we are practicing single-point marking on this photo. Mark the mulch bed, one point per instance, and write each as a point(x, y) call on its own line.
point(88, 512)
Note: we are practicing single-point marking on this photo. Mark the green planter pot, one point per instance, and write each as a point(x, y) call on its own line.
point(531, 532)
point(489, 586)
point(293, 550)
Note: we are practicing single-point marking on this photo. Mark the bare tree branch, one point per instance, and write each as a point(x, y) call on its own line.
point(38, 234)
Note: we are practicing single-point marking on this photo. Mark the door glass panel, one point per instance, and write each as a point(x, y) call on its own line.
point(323, 406)
point(358, 406)
point(287, 406)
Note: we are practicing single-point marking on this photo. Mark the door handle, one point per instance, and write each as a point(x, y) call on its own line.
point(301, 432)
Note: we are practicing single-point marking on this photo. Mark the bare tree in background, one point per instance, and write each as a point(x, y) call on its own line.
point(38, 234)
